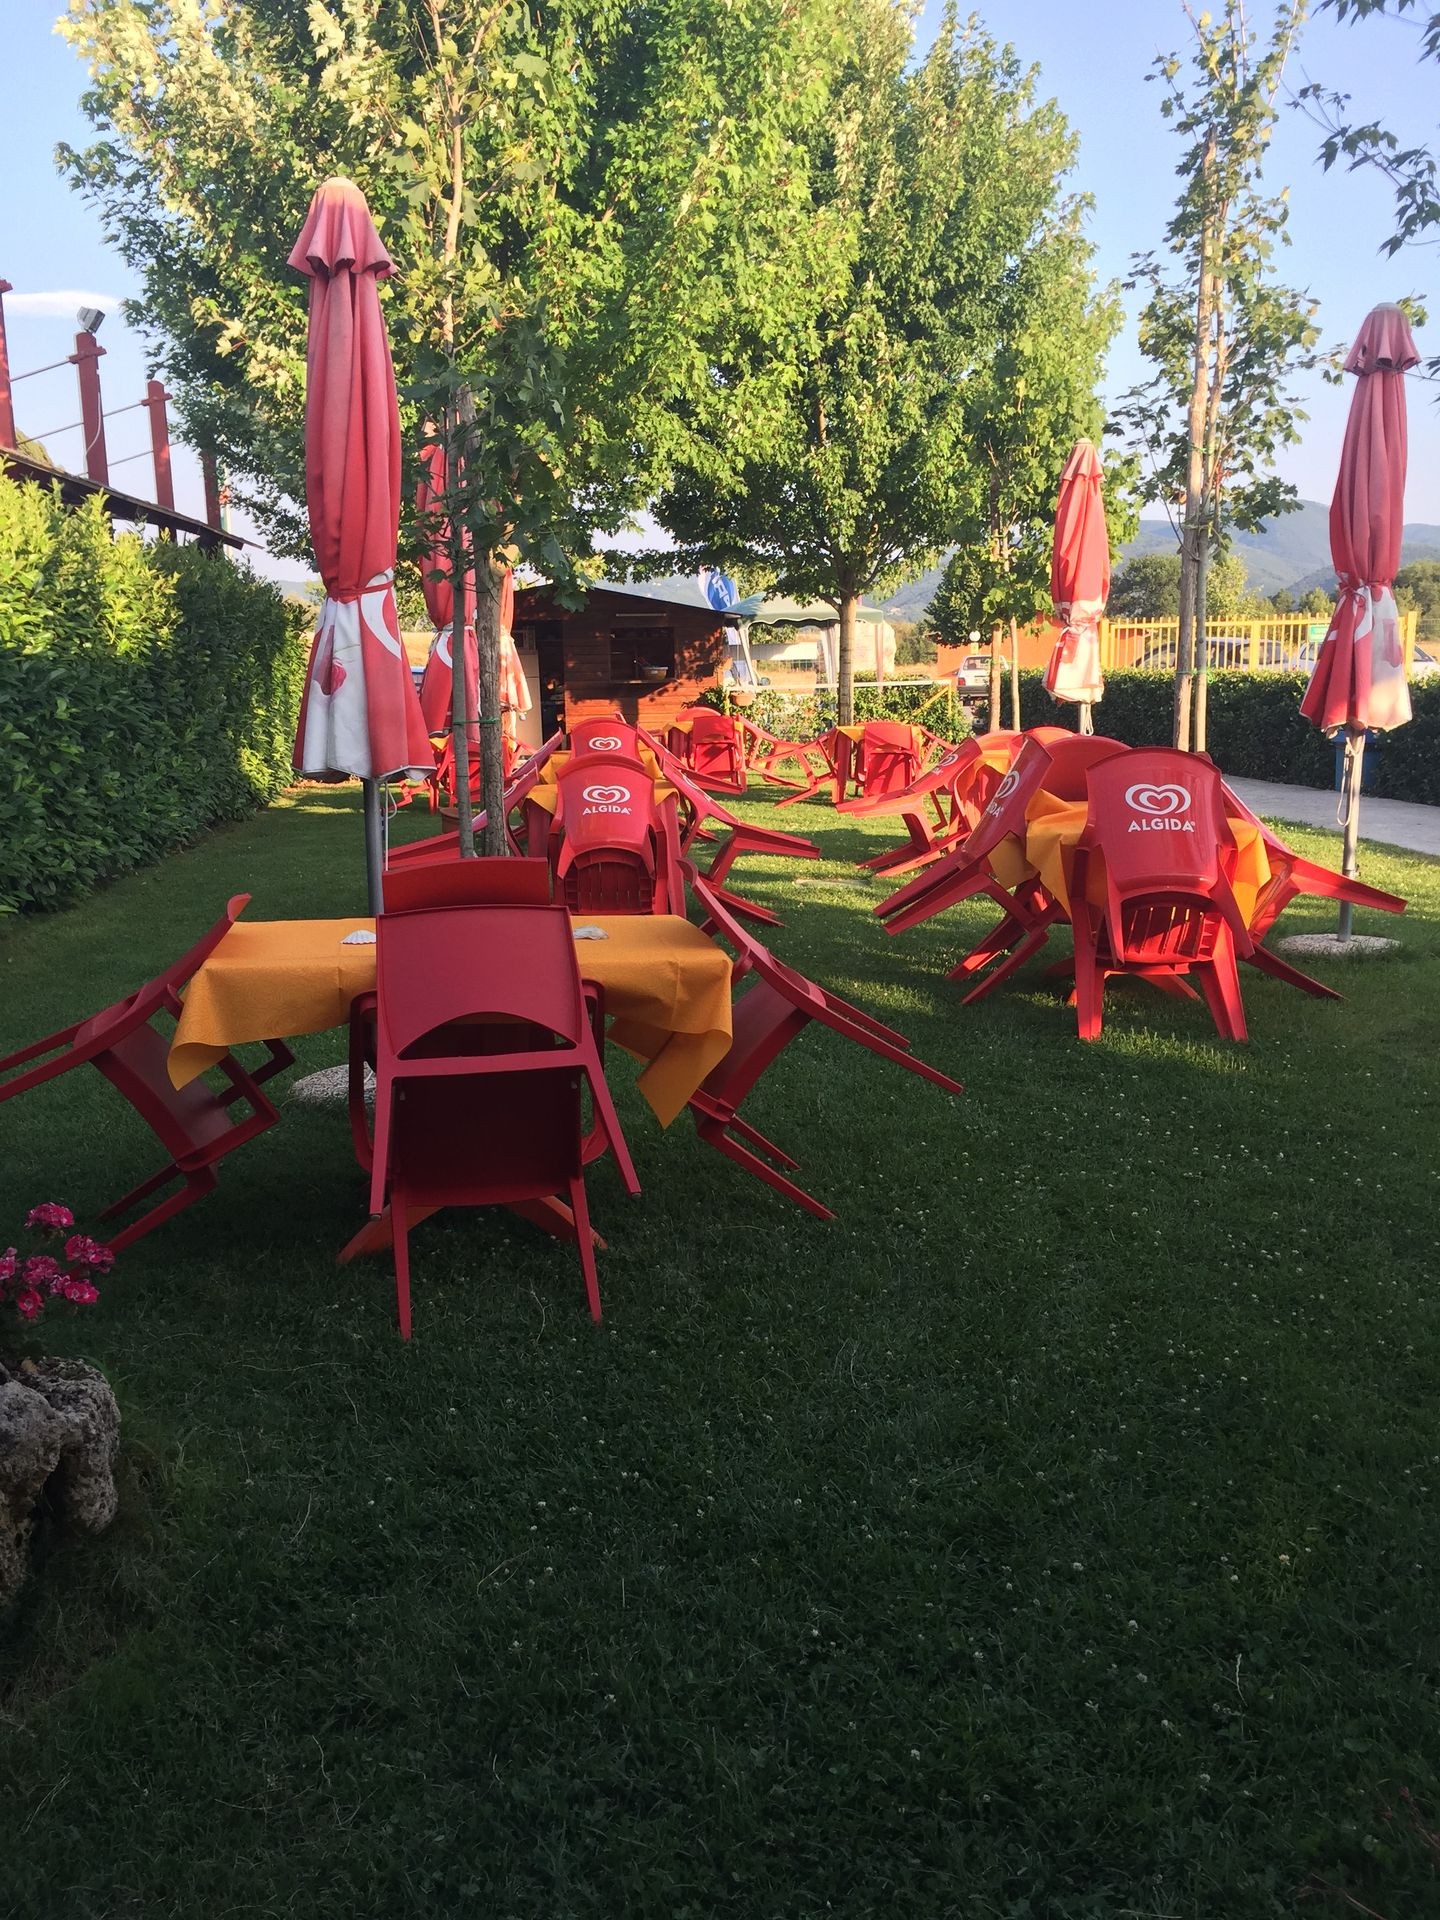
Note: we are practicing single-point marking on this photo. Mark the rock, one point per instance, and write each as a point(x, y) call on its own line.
point(59, 1430)
point(330, 1087)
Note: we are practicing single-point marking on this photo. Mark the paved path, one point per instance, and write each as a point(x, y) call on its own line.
point(1394, 823)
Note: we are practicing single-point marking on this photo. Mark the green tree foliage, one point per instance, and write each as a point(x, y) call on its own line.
point(1148, 588)
point(582, 202)
point(1417, 590)
point(955, 303)
point(1222, 335)
point(1317, 603)
point(1410, 170)
point(147, 692)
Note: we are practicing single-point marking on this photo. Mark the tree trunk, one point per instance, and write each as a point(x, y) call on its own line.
point(489, 577)
point(462, 619)
point(845, 662)
point(1014, 676)
point(1202, 697)
point(1196, 508)
point(996, 718)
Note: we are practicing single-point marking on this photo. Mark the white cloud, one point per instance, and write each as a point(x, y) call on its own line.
point(59, 304)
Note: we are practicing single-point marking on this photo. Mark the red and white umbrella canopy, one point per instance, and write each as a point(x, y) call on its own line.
point(359, 714)
point(1359, 678)
point(1079, 578)
point(438, 681)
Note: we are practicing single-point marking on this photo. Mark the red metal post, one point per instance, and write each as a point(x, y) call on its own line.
point(212, 489)
point(7, 410)
point(85, 357)
point(155, 398)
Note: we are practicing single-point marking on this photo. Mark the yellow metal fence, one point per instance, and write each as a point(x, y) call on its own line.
point(1233, 646)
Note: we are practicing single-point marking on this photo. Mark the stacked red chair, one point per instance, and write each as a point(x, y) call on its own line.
point(482, 1039)
point(442, 783)
point(446, 846)
point(774, 1009)
point(888, 757)
point(194, 1123)
point(712, 750)
point(613, 847)
point(1028, 914)
point(1156, 818)
point(610, 737)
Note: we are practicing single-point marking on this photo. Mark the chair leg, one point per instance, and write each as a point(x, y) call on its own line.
point(713, 1133)
point(580, 1207)
point(1028, 947)
point(197, 1185)
point(1089, 982)
point(400, 1238)
point(1279, 969)
point(757, 1139)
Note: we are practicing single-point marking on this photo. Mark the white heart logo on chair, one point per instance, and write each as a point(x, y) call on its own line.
point(605, 743)
point(1006, 787)
point(1146, 799)
point(605, 796)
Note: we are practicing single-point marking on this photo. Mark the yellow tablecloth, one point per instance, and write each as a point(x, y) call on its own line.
point(546, 791)
point(1053, 828)
point(667, 993)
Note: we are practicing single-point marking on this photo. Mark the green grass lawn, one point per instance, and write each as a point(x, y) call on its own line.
point(1054, 1535)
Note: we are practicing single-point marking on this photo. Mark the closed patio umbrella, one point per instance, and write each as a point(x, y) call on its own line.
point(438, 680)
point(359, 714)
point(1359, 678)
point(1079, 582)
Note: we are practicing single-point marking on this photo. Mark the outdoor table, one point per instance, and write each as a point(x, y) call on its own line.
point(1053, 829)
point(666, 987)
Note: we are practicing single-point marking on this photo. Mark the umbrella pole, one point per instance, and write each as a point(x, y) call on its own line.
point(1086, 722)
point(1350, 820)
point(374, 843)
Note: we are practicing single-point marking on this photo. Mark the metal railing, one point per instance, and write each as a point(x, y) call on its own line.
point(1282, 645)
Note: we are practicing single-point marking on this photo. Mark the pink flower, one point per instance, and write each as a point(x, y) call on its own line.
point(42, 1273)
point(82, 1251)
point(50, 1217)
point(81, 1292)
point(28, 1303)
point(9, 1266)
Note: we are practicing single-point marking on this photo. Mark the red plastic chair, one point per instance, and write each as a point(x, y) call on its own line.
point(888, 757)
point(1070, 757)
point(466, 883)
point(443, 783)
point(446, 846)
point(483, 1038)
point(957, 788)
point(1291, 875)
point(609, 737)
point(193, 1123)
point(704, 812)
point(1157, 819)
point(713, 750)
point(776, 1007)
point(614, 850)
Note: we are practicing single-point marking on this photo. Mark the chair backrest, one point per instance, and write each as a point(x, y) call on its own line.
point(1071, 756)
point(449, 967)
point(191, 961)
point(1046, 735)
point(708, 725)
point(1005, 811)
point(606, 803)
point(464, 883)
point(1158, 817)
point(888, 753)
point(604, 738)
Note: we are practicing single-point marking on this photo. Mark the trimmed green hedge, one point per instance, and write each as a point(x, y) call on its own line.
point(801, 717)
point(147, 692)
point(1255, 727)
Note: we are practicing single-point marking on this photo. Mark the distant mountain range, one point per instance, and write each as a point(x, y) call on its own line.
point(1291, 552)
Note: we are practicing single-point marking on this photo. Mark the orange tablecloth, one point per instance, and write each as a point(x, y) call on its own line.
point(1052, 829)
point(667, 992)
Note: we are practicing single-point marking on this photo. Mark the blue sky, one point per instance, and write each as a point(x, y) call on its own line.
point(1092, 59)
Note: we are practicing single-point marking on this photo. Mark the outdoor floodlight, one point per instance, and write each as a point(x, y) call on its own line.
point(90, 318)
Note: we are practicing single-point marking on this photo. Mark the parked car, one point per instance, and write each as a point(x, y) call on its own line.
point(1222, 651)
point(972, 677)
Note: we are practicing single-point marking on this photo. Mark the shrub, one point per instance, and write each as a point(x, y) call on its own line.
point(1256, 730)
point(802, 716)
point(147, 692)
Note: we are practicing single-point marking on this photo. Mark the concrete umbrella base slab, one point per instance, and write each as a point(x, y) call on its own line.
point(1329, 946)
